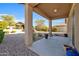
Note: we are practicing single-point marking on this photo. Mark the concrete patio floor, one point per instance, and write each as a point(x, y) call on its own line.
point(53, 46)
point(13, 45)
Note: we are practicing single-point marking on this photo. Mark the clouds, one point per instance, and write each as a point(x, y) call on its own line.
point(20, 20)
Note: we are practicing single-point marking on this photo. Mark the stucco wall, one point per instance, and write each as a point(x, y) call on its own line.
point(76, 25)
point(73, 20)
point(69, 25)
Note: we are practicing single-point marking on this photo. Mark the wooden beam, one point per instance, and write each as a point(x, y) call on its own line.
point(36, 4)
point(72, 8)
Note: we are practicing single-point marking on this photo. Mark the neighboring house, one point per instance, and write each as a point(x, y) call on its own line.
point(61, 27)
point(20, 25)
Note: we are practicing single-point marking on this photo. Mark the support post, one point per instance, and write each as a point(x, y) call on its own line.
point(28, 25)
point(50, 28)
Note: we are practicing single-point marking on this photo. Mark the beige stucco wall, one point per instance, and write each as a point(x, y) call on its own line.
point(74, 19)
point(76, 25)
point(69, 25)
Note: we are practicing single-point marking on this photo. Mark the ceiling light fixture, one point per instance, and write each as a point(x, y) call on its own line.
point(55, 10)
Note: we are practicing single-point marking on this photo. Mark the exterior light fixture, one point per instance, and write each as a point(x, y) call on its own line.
point(55, 10)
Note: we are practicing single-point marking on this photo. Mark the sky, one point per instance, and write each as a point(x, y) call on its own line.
point(18, 11)
point(54, 22)
point(14, 9)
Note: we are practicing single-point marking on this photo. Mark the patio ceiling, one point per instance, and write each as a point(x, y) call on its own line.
point(52, 10)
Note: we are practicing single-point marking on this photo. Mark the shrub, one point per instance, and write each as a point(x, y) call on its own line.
point(6, 31)
point(1, 36)
point(54, 29)
point(37, 28)
point(44, 28)
point(41, 28)
point(13, 31)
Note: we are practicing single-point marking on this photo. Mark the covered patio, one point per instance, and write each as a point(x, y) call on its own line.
point(51, 11)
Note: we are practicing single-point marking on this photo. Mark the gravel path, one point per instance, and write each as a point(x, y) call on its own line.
point(13, 45)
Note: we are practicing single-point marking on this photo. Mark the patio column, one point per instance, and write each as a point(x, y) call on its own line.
point(28, 25)
point(50, 28)
point(66, 20)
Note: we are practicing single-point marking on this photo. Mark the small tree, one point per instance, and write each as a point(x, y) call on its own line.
point(39, 22)
point(40, 26)
point(44, 28)
point(9, 19)
point(54, 29)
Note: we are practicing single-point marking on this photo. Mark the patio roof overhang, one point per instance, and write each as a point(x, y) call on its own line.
point(52, 10)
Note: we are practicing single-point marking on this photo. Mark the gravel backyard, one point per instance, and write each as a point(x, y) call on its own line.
point(13, 45)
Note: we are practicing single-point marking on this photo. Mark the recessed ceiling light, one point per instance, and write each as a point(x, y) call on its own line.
point(55, 10)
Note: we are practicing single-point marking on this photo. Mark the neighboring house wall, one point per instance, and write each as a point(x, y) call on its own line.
point(61, 27)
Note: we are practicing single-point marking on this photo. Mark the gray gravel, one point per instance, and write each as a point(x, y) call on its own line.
point(13, 45)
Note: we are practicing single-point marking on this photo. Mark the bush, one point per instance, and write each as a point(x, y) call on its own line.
point(54, 29)
point(37, 28)
point(41, 28)
point(44, 28)
point(1, 36)
point(6, 31)
point(13, 31)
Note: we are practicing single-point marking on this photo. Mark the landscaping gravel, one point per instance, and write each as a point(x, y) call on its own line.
point(13, 45)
